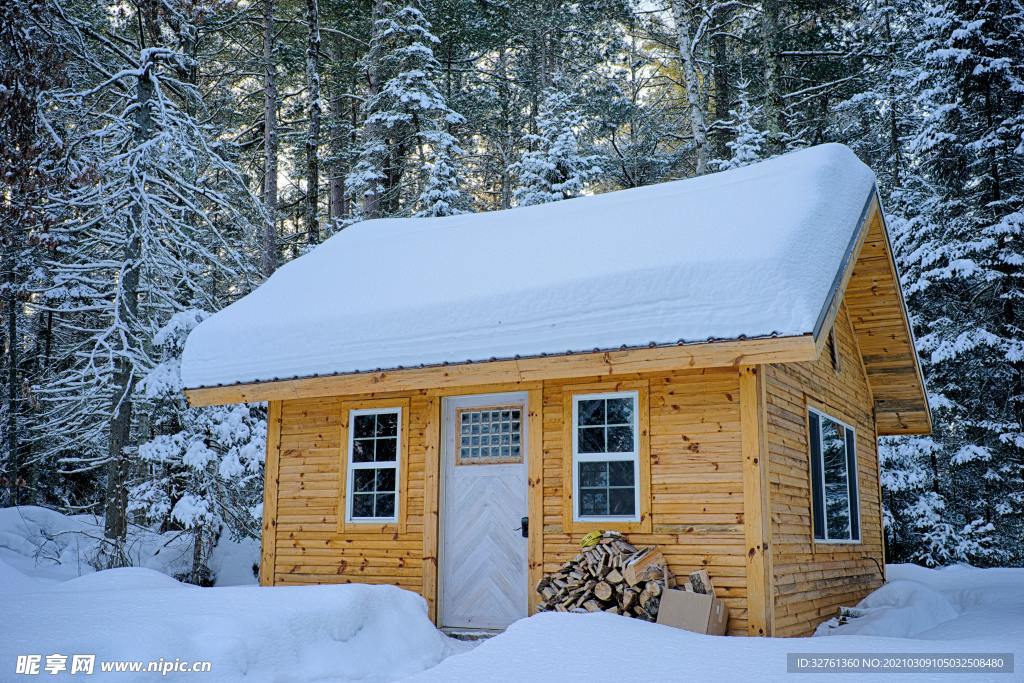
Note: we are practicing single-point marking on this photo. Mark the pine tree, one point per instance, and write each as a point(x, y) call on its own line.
point(152, 226)
point(748, 143)
point(406, 120)
point(30, 66)
point(962, 201)
point(205, 465)
point(554, 169)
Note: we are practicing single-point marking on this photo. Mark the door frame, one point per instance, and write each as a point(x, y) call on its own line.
point(433, 485)
point(448, 414)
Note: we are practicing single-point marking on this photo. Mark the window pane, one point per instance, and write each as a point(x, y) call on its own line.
point(620, 473)
point(362, 450)
point(620, 411)
point(362, 505)
point(362, 480)
point(386, 449)
point(591, 440)
point(593, 502)
point(363, 426)
point(620, 439)
point(385, 505)
point(593, 474)
point(621, 501)
point(837, 496)
point(386, 479)
point(387, 424)
point(591, 412)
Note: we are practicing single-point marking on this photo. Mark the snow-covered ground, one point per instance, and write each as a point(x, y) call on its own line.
point(51, 546)
point(51, 602)
point(247, 633)
point(954, 610)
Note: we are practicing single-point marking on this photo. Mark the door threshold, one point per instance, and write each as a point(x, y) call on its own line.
point(471, 633)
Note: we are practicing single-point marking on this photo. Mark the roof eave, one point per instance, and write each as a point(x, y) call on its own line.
point(599, 363)
point(830, 309)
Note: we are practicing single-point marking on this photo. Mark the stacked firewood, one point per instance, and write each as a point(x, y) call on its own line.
point(610, 576)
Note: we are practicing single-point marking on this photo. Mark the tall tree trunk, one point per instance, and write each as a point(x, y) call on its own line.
point(372, 201)
point(895, 148)
point(118, 470)
point(772, 75)
point(13, 446)
point(698, 121)
point(336, 199)
point(721, 64)
point(197, 556)
point(268, 257)
point(313, 132)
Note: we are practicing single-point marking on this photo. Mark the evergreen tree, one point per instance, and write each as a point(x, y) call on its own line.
point(152, 226)
point(204, 465)
point(554, 169)
point(30, 65)
point(748, 142)
point(406, 120)
point(958, 243)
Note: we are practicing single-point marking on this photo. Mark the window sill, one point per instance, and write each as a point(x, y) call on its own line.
point(642, 525)
point(819, 541)
point(373, 527)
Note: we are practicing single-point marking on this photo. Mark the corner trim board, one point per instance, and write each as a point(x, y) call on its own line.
point(271, 474)
point(756, 503)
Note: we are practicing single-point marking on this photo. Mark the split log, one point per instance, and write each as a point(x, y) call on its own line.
point(611, 575)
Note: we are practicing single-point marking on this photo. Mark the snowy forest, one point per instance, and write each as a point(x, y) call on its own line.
point(162, 157)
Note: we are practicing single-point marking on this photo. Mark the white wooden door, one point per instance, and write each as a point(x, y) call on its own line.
point(483, 563)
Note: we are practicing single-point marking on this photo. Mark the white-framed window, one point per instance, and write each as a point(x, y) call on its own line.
point(605, 457)
point(374, 445)
point(835, 503)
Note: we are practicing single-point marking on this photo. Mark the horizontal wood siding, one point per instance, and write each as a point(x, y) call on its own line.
point(696, 479)
point(696, 488)
point(309, 548)
point(813, 579)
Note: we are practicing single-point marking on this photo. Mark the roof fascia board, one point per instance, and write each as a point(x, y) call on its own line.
point(727, 353)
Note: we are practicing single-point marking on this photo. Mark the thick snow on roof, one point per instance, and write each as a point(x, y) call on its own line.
point(747, 252)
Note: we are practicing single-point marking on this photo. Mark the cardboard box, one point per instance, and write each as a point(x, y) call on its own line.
point(693, 612)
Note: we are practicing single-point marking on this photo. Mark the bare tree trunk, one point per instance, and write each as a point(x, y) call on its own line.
point(372, 200)
point(13, 404)
point(197, 556)
point(895, 148)
point(116, 505)
point(313, 132)
point(268, 260)
point(336, 172)
point(720, 74)
point(698, 122)
point(772, 68)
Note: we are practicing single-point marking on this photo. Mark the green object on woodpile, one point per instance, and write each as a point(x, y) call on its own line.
point(591, 539)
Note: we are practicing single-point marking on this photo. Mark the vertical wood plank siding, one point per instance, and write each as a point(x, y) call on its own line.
point(813, 579)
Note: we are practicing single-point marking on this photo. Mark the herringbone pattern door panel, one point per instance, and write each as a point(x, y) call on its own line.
point(484, 556)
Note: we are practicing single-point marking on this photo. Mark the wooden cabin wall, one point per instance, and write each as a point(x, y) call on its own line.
point(696, 479)
point(813, 579)
point(308, 546)
point(696, 489)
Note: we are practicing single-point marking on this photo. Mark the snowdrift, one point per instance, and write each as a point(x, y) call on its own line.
point(954, 610)
point(51, 546)
point(321, 633)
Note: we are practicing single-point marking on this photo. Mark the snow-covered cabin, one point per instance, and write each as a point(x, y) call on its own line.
point(703, 364)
